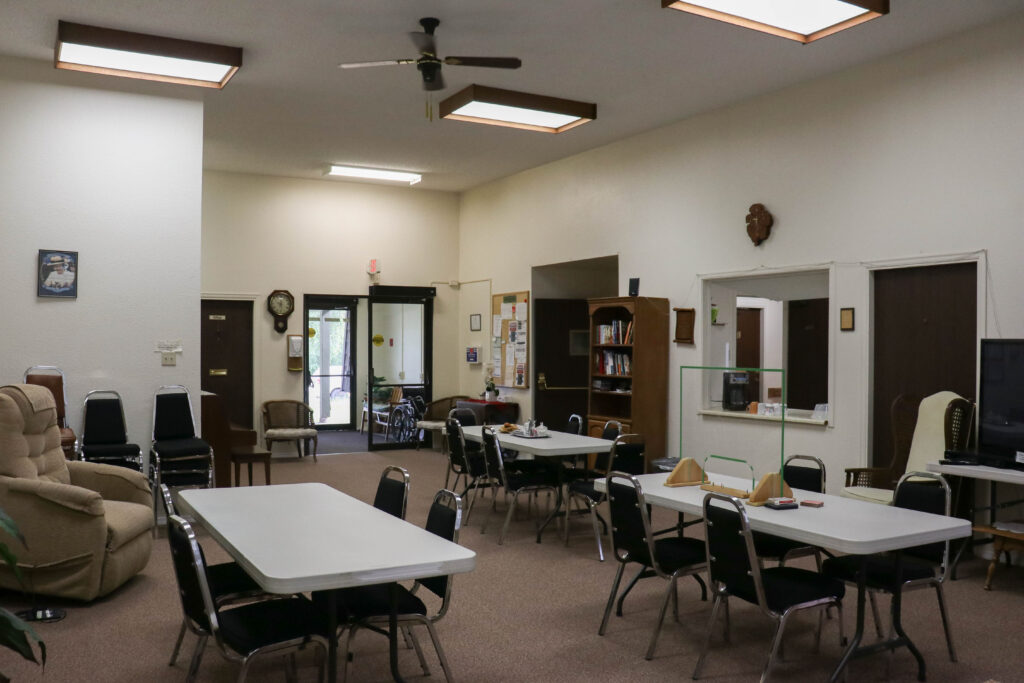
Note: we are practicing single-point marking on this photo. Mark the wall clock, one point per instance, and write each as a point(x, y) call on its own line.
point(281, 304)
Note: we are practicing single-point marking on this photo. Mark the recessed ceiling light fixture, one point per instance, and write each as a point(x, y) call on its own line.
point(374, 174)
point(801, 20)
point(481, 104)
point(139, 55)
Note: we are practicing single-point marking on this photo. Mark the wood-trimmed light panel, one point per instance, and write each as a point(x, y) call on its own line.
point(581, 111)
point(142, 43)
point(873, 9)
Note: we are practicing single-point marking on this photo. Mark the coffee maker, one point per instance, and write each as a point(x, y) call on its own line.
point(734, 390)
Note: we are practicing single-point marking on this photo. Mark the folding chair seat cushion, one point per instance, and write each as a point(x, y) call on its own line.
point(110, 450)
point(180, 448)
point(673, 553)
point(769, 545)
point(228, 578)
point(257, 624)
point(361, 602)
point(520, 479)
point(881, 570)
point(788, 586)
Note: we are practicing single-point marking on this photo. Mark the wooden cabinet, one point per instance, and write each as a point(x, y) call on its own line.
point(629, 368)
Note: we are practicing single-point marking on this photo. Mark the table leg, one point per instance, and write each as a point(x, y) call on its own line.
point(332, 637)
point(393, 632)
point(851, 650)
point(897, 622)
point(558, 501)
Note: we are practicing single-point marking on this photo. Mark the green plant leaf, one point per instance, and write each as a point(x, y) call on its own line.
point(15, 635)
point(11, 527)
point(12, 562)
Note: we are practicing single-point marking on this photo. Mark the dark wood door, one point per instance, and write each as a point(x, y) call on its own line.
point(561, 342)
point(925, 339)
point(807, 353)
point(226, 356)
point(748, 347)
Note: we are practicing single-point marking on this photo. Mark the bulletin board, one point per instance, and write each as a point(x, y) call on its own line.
point(510, 339)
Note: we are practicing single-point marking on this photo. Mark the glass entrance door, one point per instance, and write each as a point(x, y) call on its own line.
point(400, 356)
point(330, 361)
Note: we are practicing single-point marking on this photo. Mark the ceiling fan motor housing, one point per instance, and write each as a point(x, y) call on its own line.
point(430, 69)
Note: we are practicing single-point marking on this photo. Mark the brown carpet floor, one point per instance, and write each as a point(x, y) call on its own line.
point(530, 612)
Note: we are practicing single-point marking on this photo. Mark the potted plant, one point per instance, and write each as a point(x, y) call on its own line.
point(490, 390)
point(15, 634)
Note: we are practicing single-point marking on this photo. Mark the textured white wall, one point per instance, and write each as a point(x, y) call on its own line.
point(915, 155)
point(263, 233)
point(116, 177)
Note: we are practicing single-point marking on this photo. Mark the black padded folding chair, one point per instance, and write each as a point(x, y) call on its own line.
point(178, 457)
point(798, 476)
point(241, 633)
point(104, 433)
point(632, 541)
point(925, 566)
point(514, 482)
point(628, 447)
point(465, 463)
point(227, 581)
point(369, 607)
point(392, 493)
point(734, 569)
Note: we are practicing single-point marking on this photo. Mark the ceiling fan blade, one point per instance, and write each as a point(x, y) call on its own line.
point(424, 42)
point(493, 62)
point(436, 84)
point(386, 62)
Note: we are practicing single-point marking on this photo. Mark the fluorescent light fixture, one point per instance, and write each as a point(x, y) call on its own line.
point(375, 174)
point(496, 107)
point(801, 20)
point(139, 55)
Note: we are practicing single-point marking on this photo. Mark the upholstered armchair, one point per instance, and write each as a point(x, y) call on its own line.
point(86, 525)
point(289, 420)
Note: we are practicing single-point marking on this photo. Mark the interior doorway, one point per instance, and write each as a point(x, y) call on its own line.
point(924, 339)
point(561, 334)
point(748, 348)
point(330, 334)
point(226, 356)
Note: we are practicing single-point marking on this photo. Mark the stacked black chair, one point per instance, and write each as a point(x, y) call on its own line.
point(245, 631)
point(465, 463)
point(457, 453)
point(735, 571)
point(632, 541)
point(799, 477)
point(925, 566)
point(514, 482)
point(369, 607)
point(628, 447)
point(178, 457)
point(104, 434)
point(392, 494)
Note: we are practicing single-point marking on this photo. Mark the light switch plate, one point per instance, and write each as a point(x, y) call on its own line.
point(168, 359)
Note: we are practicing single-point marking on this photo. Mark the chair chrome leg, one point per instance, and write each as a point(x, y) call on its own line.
point(715, 605)
point(177, 644)
point(244, 671)
point(197, 657)
point(669, 591)
point(508, 517)
point(945, 622)
point(419, 651)
point(728, 620)
point(569, 498)
point(776, 641)
point(440, 652)
point(611, 598)
point(597, 530)
point(344, 654)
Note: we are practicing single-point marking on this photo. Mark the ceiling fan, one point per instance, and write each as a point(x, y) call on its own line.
point(429, 64)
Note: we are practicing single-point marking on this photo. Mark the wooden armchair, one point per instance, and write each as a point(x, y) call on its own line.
point(903, 414)
point(289, 420)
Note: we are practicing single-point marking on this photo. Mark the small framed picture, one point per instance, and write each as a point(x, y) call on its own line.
point(475, 323)
point(57, 273)
point(846, 319)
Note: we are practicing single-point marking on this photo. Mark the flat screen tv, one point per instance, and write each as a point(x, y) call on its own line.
point(1001, 400)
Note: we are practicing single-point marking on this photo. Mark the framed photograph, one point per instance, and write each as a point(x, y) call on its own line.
point(57, 273)
point(475, 323)
point(846, 319)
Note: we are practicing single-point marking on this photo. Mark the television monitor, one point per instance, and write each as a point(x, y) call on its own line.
point(1001, 400)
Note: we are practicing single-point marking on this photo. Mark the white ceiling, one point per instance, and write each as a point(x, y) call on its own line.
point(290, 111)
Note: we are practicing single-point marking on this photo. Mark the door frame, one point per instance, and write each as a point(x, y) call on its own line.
point(980, 259)
point(352, 302)
point(257, 349)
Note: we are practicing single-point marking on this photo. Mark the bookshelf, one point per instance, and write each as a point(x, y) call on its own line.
point(629, 368)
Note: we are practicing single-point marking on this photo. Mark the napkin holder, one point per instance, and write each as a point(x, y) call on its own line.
point(686, 473)
point(767, 488)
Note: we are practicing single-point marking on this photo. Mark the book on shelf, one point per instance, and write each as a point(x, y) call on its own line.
point(628, 337)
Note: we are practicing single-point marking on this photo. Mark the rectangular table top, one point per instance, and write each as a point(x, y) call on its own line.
point(842, 524)
point(556, 444)
point(1007, 476)
point(294, 538)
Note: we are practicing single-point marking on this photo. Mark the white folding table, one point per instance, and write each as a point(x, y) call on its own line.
point(843, 524)
point(554, 445)
point(295, 538)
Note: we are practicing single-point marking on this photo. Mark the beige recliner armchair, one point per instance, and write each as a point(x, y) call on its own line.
point(86, 525)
